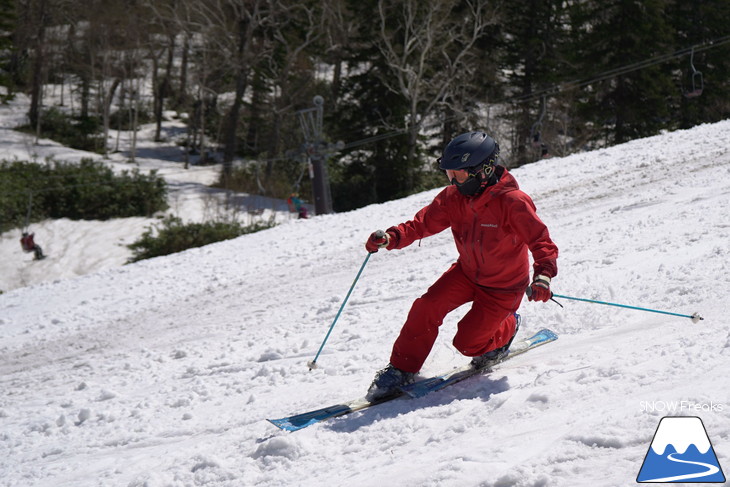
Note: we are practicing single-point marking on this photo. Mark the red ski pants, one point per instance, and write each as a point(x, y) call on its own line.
point(489, 324)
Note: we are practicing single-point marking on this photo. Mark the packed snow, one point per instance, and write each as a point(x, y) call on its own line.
point(163, 372)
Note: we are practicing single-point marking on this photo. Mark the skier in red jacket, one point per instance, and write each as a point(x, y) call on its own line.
point(27, 242)
point(493, 224)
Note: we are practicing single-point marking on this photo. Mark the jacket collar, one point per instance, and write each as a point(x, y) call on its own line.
point(506, 183)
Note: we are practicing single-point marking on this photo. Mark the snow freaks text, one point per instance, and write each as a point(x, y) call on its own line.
point(680, 406)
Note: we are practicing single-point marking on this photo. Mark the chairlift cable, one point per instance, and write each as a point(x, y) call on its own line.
point(621, 70)
point(618, 71)
point(27, 214)
point(553, 90)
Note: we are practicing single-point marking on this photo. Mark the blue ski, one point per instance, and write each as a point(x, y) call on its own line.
point(422, 387)
point(300, 421)
point(417, 389)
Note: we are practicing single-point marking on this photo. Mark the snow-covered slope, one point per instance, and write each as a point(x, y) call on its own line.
point(162, 373)
point(75, 248)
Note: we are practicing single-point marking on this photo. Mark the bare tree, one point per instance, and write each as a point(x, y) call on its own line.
point(229, 30)
point(34, 19)
point(297, 28)
point(337, 24)
point(418, 35)
point(39, 12)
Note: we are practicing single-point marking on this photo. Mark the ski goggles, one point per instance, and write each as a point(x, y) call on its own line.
point(459, 175)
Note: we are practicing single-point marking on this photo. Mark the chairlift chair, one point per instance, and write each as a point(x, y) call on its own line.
point(698, 85)
point(535, 135)
point(698, 82)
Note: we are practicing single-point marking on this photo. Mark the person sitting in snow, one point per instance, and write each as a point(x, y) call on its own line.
point(494, 224)
point(27, 242)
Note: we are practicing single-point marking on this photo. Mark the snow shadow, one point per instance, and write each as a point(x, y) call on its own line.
point(481, 387)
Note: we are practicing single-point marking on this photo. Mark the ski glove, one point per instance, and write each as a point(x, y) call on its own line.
point(378, 240)
point(539, 290)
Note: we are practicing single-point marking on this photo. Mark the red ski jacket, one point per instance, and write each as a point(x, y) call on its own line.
point(492, 231)
point(27, 242)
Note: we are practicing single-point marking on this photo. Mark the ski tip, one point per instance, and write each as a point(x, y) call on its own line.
point(286, 425)
point(548, 334)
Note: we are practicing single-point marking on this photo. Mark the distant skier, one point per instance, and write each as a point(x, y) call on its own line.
point(494, 224)
point(27, 242)
point(296, 206)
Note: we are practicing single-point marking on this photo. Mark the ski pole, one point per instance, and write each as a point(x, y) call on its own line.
point(313, 363)
point(694, 317)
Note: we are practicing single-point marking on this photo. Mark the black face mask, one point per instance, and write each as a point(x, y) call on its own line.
point(471, 187)
point(478, 182)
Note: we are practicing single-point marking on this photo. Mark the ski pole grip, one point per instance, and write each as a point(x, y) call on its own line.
point(386, 238)
point(528, 291)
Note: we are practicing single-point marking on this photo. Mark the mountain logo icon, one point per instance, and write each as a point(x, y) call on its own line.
point(681, 452)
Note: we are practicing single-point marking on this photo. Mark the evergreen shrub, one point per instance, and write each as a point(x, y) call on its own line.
point(87, 190)
point(172, 236)
point(80, 133)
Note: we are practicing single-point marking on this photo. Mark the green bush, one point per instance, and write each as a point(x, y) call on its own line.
point(88, 190)
point(175, 236)
point(78, 132)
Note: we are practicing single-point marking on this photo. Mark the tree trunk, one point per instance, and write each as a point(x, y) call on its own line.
point(182, 96)
point(231, 127)
point(38, 65)
point(85, 95)
point(157, 93)
point(106, 108)
point(233, 114)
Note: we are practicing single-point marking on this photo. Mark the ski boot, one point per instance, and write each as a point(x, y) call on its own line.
point(387, 383)
point(497, 355)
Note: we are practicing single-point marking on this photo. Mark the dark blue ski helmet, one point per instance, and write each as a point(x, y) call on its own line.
point(469, 150)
